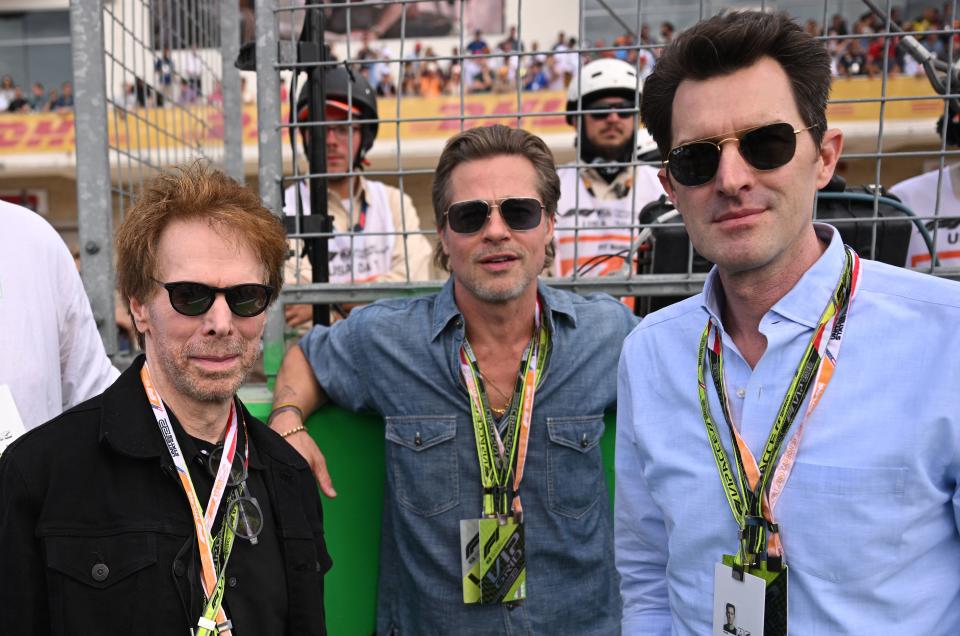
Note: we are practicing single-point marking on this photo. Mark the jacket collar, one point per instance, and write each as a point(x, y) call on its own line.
point(128, 426)
point(555, 304)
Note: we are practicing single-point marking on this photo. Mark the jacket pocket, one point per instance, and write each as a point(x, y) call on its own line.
point(422, 461)
point(574, 464)
point(846, 501)
point(104, 581)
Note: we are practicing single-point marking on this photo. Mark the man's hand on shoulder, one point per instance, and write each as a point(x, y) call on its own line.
point(290, 426)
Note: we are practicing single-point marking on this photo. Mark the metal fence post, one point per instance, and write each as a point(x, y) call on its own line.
point(270, 158)
point(232, 99)
point(93, 171)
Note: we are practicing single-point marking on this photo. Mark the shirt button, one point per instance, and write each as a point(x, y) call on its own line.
point(741, 393)
point(179, 568)
point(417, 440)
point(232, 581)
point(458, 322)
point(100, 572)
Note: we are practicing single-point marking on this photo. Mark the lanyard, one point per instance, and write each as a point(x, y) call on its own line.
point(497, 455)
point(747, 494)
point(213, 585)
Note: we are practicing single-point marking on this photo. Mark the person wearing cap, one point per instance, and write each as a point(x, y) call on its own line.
point(601, 193)
point(368, 216)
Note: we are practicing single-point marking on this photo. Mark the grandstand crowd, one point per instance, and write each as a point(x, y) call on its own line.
point(858, 49)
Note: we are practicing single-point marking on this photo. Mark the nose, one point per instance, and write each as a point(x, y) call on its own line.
point(496, 229)
point(218, 321)
point(733, 173)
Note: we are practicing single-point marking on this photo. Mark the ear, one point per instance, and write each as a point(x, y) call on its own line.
point(830, 149)
point(141, 317)
point(550, 222)
point(667, 184)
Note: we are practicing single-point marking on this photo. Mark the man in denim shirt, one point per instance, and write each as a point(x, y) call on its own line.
point(402, 359)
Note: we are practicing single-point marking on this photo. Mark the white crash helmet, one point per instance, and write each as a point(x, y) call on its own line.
point(603, 78)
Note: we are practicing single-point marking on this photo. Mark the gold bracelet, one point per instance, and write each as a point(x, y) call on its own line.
point(292, 431)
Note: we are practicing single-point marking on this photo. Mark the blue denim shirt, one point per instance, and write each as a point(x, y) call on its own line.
point(399, 358)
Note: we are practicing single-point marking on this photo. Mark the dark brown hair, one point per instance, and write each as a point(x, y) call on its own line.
point(191, 193)
point(489, 141)
point(727, 43)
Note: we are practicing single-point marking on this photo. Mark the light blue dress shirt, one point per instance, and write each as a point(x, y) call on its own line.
point(869, 517)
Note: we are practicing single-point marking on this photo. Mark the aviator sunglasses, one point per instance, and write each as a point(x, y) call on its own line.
point(194, 299)
point(519, 213)
point(764, 147)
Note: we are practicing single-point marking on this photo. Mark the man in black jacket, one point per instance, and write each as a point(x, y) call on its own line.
point(161, 506)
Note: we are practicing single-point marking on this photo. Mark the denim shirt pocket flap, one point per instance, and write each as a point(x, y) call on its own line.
point(100, 562)
point(418, 433)
point(574, 464)
point(422, 467)
point(580, 433)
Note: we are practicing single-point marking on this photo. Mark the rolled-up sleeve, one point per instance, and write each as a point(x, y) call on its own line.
point(640, 536)
point(335, 356)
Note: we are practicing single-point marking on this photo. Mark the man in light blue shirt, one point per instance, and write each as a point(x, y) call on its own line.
point(495, 197)
point(868, 517)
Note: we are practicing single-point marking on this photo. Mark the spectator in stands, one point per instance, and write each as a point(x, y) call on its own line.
point(387, 86)
point(7, 89)
point(65, 101)
point(853, 61)
point(374, 212)
point(52, 98)
point(38, 97)
point(602, 197)
point(536, 78)
point(408, 360)
point(478, 45)
point(430, 83)
point(193, 74)
point(503, 80)
point(102, 509)
point(163, 71)
point(51, 356)
point(19, 103)
point(512, 40)
point(838, 25)
point(482, 80)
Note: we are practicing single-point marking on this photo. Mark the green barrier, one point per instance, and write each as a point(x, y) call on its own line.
point(353, 445)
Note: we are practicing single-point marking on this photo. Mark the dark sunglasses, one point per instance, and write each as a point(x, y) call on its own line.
point(764, 147)
point(623, 110)
point(194, 299)
point(520, 213)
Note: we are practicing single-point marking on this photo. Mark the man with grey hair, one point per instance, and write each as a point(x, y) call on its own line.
point(495, 381)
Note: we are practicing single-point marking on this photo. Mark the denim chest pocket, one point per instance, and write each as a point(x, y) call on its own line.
point(574, 464)
point(422, 460)
point(859, 524)
point(106, 581)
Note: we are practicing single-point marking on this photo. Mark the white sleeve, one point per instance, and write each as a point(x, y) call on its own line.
point(640, 536)
point(85, 369)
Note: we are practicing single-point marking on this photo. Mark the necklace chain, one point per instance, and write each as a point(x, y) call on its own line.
point(496, 411)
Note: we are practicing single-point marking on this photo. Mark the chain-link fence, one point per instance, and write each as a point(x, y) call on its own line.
point(883, 99)
point(155, 87)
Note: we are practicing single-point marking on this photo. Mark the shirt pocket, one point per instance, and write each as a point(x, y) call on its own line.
point(104, 581)
point(422, 460)
point(574, 464)
point(849, 522)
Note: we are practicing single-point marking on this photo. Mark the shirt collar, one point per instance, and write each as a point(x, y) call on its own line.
point(804, 303)
point(555, 304)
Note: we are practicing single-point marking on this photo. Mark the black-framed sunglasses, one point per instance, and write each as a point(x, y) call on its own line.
point(194, 299)
point(765, 147)
point(519, 213)
point(623, 110)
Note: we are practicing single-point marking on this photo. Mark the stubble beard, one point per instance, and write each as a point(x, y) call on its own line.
point(203, 386)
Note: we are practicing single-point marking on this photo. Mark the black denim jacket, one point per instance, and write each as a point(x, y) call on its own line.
point(93, 528)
